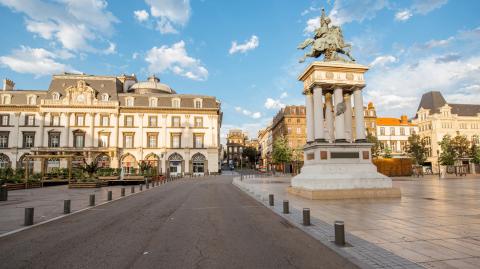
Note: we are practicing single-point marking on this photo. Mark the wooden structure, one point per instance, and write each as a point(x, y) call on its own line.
point(46, 157)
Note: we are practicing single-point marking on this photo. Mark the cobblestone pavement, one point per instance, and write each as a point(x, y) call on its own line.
point(435, 224)
point(48, 203)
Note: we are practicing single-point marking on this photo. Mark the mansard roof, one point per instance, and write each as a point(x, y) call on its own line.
point(434, 100)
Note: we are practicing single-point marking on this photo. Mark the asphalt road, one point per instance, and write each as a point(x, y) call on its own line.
point(190, 223)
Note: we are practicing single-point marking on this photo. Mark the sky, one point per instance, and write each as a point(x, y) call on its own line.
point(244, 52)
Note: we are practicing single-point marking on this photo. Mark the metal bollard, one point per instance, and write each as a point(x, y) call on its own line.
point(286, 208)
point(3, 193)
point(148, 185)
point(92, 199)
point(66, 207)
point(141, 187)
point(306, 216)
point(132, 189)
point(109, 196)
point(122, 192)
point(339, 233)
point(270, 200)
point(29, 211)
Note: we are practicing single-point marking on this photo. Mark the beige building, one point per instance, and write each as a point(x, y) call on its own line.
point(265, 142)
point(393, 133)
point(436, 118)
point(115, 121)
point(236, 140)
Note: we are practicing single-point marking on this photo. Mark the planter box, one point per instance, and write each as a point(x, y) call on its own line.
point(106, 178)
point(21, 186)
point(134, 178)
point(84, 185)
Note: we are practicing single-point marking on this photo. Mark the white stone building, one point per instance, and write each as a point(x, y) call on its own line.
point(113, 120)
point(393, 133)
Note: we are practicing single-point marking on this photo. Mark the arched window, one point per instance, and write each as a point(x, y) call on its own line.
point(152, 102)
point(31, 100)
point(176, 102)
point(4, 161)
point(105, 97)
point(55, 96)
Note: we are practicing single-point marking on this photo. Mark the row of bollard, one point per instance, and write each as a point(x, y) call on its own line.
point(29, 211)
point(339, 226)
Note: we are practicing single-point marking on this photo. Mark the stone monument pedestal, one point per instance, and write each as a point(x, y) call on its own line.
point(337, 159)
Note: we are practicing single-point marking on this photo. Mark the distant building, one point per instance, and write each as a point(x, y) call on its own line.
point(436, 118)
point(265, 147)
point(290, 122)
point(370, 116)
point(236, 141)
point(393, 133)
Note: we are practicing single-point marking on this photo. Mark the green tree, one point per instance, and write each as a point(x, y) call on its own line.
point(475, 154)
point(417, 149)
point(281, 152)
point(251, 154)
point(91, 168)
point(447, 156)
point(144, 167)
point(460, 146)
point(387, 154)
point(376, 149)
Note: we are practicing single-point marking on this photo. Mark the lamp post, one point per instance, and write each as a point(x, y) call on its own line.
point(438, 163)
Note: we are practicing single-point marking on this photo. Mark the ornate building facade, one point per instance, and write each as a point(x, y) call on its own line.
point(436, 118)
point(115, 121)
point(393, 133)
point(265, 142)
point(236, 140)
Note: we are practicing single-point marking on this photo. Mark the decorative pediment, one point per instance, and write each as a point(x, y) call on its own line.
point(80, 94)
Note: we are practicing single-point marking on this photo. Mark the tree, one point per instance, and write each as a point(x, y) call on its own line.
point(281, 152)
point(376, 150)
point(447, 156)
point(387, 153)
point(144, 167)
point(460, 146)
point(91, 168)
point(417, 149)
point(475, 154)
point(251, 154)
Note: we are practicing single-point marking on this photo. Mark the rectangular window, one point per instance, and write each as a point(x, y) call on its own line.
point(128, 120)
point(176, 141)
point(4, 120)
point(103, 141)
point(79, 140)
point(129, 102)
point(80, 120)
point(104, 120)
point(299, 130)
point(29, 120)
point(4, 139)
point(392, 130)
point(128, 140)
point(28, 139)
point(152, 102)
point(382, 131)
point(198, 141)
point(152, 140)
point(175, 103)
point(176, 121)
point(198, 104)
point(152, 121)
point(402, 131)
point(55, 120)
point(54, 139)
point(198, 122)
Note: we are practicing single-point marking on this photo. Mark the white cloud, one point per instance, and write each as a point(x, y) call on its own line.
point(251, 114)
point(112, 49)
point(243, 48)
point(135, 55)
point(383, 60)
point(176, 60)
point(439, 43)
point(403, 15)
point(141, 15)
point(283, 95)
point(169, 14)
point(271, 103)
point(36, 61)
point(74, 24)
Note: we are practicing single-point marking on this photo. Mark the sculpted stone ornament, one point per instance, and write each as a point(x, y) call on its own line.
point(327, 41)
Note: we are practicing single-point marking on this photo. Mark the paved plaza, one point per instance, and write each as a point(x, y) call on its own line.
point(435, 224)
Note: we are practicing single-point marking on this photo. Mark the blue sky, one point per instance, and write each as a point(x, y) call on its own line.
point(244, 52)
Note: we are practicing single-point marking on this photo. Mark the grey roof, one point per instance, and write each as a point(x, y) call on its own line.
point(434, 100)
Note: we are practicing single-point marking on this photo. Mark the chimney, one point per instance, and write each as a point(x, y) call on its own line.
point(404, 119)
point(8, 85)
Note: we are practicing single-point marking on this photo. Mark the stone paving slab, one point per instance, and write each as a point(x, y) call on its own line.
point(48, 203)
point(436, 223)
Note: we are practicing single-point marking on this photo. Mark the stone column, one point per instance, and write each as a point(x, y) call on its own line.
point(115, 135)
point(339, 119)
point(318, 114)
point(66, 143)
point(359, 120)
point(348, 117)
point(141, 116)
point(329, 116)
point(92, 129)
point(41, 128)
point(310, 117)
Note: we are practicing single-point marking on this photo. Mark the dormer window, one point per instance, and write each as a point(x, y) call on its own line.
point(152, 102)
point(31, 100)
point(176, 103)
point(129, 101)
point(105, 97)
point(55, 96)
point(6, 99)
point(197, 103)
